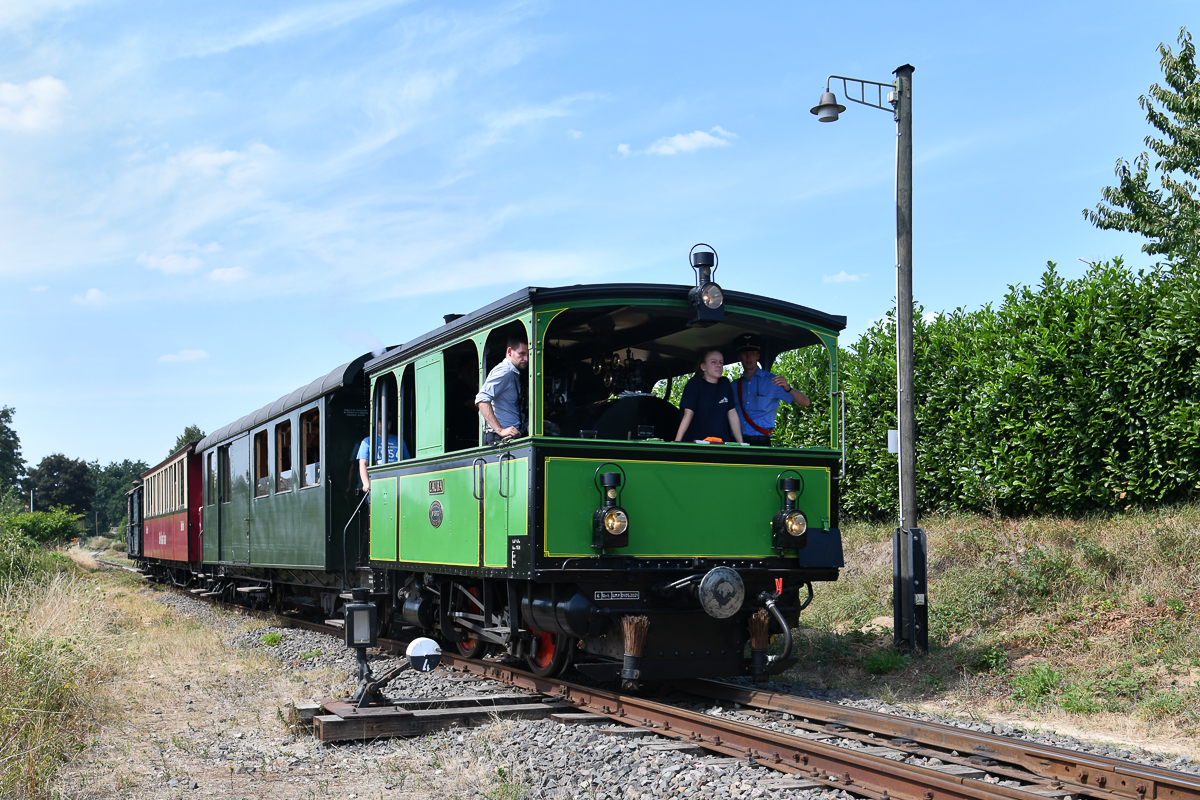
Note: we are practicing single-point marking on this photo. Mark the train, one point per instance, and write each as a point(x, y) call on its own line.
point(592, 540)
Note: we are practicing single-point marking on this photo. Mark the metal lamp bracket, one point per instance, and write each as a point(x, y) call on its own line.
point(716, 260)
point(596, 480)
point(892, 103)
point(779, 480)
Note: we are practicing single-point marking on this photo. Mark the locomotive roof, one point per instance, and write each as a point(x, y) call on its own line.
point(345, 374)
point(542, 296)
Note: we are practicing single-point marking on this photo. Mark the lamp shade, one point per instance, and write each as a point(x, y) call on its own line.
point(828, 109)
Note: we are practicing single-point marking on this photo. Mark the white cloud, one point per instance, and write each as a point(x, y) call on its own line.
point(234, 165)
point(574, 134)
point(842, 277)
point(623, 149)
point(930, 316)
point(501, 124)
point(172, 263)
point(38, 288)
point(690, 142)
point(316, 18)
point(32, 106)
point(229, 274)
point(178, 259)
point(93, 297)
point(184, 355)
point(15, 13)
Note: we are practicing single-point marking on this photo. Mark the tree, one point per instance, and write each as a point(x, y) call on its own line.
point(191, 433)
point(12, 466)
point(112, 482)
point(1168, 213)
point(62, 481)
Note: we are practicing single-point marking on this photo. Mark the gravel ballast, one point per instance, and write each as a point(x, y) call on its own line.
point(539, 759)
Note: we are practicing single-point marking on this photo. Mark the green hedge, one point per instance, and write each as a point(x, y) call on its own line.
point(1072, 396)
point(22, 555)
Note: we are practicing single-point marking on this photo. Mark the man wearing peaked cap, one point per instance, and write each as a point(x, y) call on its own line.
point(760, 392)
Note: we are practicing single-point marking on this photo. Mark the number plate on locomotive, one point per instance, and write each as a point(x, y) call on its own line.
point(436, 487)
point(617, 596)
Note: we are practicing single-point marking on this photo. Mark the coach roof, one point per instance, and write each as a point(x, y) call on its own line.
point(342, 376)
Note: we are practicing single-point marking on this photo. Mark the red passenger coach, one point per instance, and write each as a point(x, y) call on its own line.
point(171, 502)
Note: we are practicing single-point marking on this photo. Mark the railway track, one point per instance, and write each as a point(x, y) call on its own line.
point(864, 753)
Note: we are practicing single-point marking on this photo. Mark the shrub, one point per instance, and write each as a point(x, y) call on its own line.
point(885, 661)
point(1033, 685)
point(271, 639)
point(984, 659)
point(45, 527)
point(1079, 700)
point(22, 558)
point(1044, 573)
point(1162, 705)
point(1071, 396)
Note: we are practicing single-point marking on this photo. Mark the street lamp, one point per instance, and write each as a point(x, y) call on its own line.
point(908, 557)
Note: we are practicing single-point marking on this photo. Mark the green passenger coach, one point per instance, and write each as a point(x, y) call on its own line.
point(592, 537)
point(276, 485)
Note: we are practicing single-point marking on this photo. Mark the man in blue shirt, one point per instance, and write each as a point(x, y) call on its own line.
point(499, 399)
point(759, 393)
point(364, 454)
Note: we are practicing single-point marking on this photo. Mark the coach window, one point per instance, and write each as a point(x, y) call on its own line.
point(310, 448)
point(283, 456)
point(461, 365)
point(385, 410)
point(262, 465)
point(210, 478)
point(224, 480)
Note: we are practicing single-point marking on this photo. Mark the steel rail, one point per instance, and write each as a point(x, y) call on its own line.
point(1068, 772)
point(1095, 776)
point(836, 767)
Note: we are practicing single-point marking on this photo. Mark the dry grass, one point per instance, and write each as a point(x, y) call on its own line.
point(54, 656)
point(1094, 622)
point(150, 733)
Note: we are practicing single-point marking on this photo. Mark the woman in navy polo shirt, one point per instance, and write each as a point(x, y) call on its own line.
point(708, 405)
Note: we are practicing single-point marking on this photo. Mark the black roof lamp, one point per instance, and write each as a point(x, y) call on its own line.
point(706, 301)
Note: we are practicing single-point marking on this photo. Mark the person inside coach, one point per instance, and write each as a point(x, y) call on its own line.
point(363, 455)
point(499, 399)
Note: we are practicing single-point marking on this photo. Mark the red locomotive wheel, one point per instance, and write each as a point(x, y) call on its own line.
point(551, 653)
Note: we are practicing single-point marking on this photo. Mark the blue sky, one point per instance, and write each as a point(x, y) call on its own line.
point(205, 206)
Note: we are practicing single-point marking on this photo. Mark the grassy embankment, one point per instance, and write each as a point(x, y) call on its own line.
point(1091, 621)
point(47, 663)
point(84, 650)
